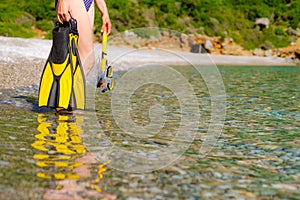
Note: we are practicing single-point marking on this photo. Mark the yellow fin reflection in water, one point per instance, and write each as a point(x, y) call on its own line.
point(60, 149)
point(60, 144)
point(101, 169)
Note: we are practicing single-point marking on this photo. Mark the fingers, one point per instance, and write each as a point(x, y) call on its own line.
point(106, 28)
point(60, 20)
point(64, 13)
point(63, 17)
point(106, 25)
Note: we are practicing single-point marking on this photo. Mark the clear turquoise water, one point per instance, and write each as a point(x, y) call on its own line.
point(257, 155)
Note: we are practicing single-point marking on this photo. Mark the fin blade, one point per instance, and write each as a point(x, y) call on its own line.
point(46, 82)
point(58, 69)
point(79, 88)
point(78, 93)
point(65, 88)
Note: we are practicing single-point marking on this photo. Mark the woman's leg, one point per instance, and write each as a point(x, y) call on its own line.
point(85, 23)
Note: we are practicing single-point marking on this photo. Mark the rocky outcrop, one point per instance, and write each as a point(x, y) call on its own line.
point(262, 23)
point(229, 47)
point(200, 44)
point(293, 32)
point(291, 52)
point(258, 52)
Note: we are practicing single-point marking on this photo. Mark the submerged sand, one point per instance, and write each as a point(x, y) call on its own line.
point(22, 60)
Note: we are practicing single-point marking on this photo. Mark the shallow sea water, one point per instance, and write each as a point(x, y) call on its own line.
point(90, 155)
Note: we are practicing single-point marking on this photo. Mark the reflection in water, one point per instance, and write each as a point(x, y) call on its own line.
point(60, 144)
point(63, 158)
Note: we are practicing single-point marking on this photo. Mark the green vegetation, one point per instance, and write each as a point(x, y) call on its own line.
point(224, 18)
point(19, 17)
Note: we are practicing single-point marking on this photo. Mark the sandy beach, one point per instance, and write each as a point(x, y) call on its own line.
point(22, 60)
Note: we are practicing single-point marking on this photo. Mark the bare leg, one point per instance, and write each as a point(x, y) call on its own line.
point(85, 22)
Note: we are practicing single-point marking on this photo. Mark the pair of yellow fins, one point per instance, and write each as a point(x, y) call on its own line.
point(62, 84)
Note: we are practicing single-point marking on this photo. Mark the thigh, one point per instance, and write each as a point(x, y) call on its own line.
point(91, 15)
point(85, 28)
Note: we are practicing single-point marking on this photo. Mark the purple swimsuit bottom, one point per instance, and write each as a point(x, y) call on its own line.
point(88, 4)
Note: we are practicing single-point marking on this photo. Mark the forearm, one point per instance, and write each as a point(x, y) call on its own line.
point(102, 7)
point(106, 25)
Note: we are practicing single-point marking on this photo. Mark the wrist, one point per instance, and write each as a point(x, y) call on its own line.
point(105, 14)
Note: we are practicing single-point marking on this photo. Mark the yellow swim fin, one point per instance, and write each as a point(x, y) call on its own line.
point(62, 82)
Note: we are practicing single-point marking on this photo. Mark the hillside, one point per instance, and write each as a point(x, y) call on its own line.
point(224, 18)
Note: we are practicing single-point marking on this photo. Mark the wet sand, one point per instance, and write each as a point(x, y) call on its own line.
point(22, 60)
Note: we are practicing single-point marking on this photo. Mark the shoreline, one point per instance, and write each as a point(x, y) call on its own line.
point(22, 60)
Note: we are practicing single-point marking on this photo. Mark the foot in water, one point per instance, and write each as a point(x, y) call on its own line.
point(63, 111)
